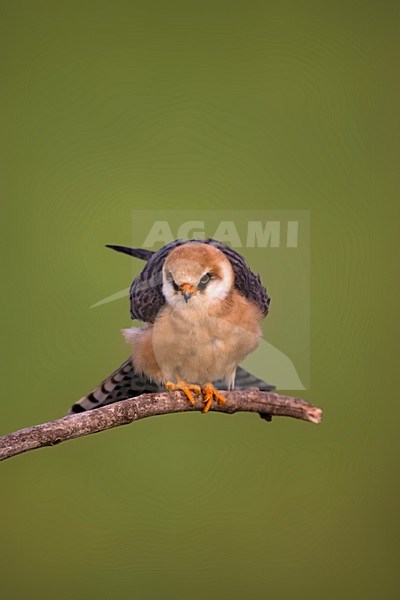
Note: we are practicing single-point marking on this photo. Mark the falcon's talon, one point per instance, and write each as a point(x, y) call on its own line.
point(210, 394)
point(186, 388)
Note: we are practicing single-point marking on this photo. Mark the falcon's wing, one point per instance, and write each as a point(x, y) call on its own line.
point(146, 290)
point(124, 383)
point(135, 252)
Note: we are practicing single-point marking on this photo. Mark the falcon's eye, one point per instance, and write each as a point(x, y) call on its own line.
point(174, 285)
point(203, 281)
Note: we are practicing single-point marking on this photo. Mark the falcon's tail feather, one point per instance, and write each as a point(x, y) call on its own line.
point(124, 383)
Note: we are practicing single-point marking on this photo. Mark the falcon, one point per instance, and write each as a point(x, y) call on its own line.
point(201, 308)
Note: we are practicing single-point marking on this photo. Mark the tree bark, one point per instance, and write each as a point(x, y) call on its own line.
point(266, 404)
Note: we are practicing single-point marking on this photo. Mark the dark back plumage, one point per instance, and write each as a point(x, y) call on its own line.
point(146, 294)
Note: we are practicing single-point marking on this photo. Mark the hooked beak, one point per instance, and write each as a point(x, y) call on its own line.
point(187, 291)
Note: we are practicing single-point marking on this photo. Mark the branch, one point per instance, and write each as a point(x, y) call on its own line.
point(267, 404)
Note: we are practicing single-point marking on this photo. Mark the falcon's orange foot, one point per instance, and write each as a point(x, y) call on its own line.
point(186, 388)
point(210, 393)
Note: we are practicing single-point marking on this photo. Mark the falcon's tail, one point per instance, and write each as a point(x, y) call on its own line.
point(124, 383)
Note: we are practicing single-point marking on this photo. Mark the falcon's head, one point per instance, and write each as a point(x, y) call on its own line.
point(197, 275)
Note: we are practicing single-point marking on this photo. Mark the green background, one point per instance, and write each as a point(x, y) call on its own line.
point(112, 107)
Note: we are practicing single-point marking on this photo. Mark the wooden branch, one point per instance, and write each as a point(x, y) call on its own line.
point(267, 404)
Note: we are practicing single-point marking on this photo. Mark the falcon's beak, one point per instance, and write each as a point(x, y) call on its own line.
point(187, 291)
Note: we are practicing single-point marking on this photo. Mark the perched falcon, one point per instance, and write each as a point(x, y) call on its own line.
point(202, 308)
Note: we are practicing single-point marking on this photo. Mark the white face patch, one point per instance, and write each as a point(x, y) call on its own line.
point(216, 290)
point(171, 295)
